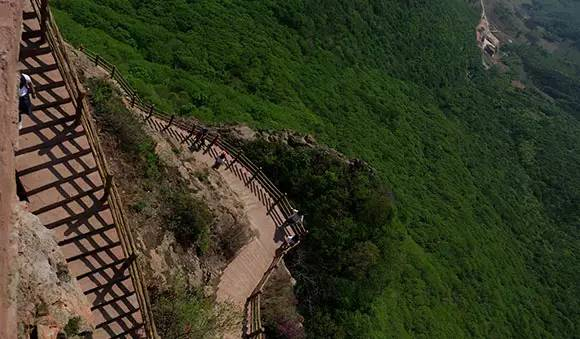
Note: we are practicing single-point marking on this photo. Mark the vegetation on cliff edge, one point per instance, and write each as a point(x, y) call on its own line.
point(480, 238)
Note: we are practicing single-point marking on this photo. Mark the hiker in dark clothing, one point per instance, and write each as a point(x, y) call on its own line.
point(290, 240)
point(200, 138)
point(25, 88)
point(219, 161)
point(294, 218)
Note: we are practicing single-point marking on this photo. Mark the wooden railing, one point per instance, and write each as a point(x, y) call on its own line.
point(277, 201)
point(276, 197)
point(251, 176)
point(79, 100)
point(253, 324)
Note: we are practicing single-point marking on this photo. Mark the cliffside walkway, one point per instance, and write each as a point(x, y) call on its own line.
point(65, 178)
point(244, 278)
point(242, 274)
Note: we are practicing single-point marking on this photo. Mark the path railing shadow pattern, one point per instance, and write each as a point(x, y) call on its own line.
point(65, 178)
point(212, 144)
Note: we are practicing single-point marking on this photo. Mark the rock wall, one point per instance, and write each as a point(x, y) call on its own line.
point(48, 297)
point(10, 28)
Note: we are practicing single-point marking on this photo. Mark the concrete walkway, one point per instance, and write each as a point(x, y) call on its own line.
point(242, 274)
point(57, 169)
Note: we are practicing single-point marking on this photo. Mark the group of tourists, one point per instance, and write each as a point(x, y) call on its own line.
point(199, 140)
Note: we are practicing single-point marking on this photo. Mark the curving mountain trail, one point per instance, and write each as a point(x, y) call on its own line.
point(266, 208)
point(243, 274)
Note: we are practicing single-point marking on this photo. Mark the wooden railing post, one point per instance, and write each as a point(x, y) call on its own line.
point(97, 60)
point(79, 108)
point(170, 122)
point(133, 99)
point(150, 112)
point(43, 15)
point(215, 139)
point(256, 332)
point(108, 187)
point(191, 132)
point(236, 159)
point(254, 176)
point(113, 71)
point(273, 267)
point(276, 202)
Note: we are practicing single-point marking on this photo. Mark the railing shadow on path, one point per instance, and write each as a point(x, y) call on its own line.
point(277, 205)
point(66, 179)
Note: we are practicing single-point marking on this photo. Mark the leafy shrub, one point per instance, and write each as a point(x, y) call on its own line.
point(348, 213)
point(188, 217)
point(183, 312)
point(115, 117)
point(279, 314)
point(232, 238)
point(72, 326)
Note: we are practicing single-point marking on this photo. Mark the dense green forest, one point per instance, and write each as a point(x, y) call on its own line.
point(477, 233)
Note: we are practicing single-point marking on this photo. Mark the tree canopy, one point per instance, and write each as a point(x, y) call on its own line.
point(479, 237)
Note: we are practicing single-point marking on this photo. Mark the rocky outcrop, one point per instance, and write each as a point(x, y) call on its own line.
point(49, 299)
point(246, 133)
point(10, 26)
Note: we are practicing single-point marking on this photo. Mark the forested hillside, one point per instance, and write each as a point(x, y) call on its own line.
point(479, 237)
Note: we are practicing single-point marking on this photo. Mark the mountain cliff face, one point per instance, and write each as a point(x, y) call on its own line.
point(544, 46)
point(49, 299)
point(482, 239)
point(10, 22)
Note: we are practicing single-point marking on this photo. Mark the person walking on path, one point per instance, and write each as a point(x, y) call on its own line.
point(294, 218)
point(219, 161)
point(200, 138)
point(289, 240)
point(25, 89)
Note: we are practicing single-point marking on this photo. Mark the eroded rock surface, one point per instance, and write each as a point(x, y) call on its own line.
point(48, 297)
point(10, 26)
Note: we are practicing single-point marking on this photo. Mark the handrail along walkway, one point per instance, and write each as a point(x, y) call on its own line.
point(136, 101)
point(53, 37)
point(253, 325)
